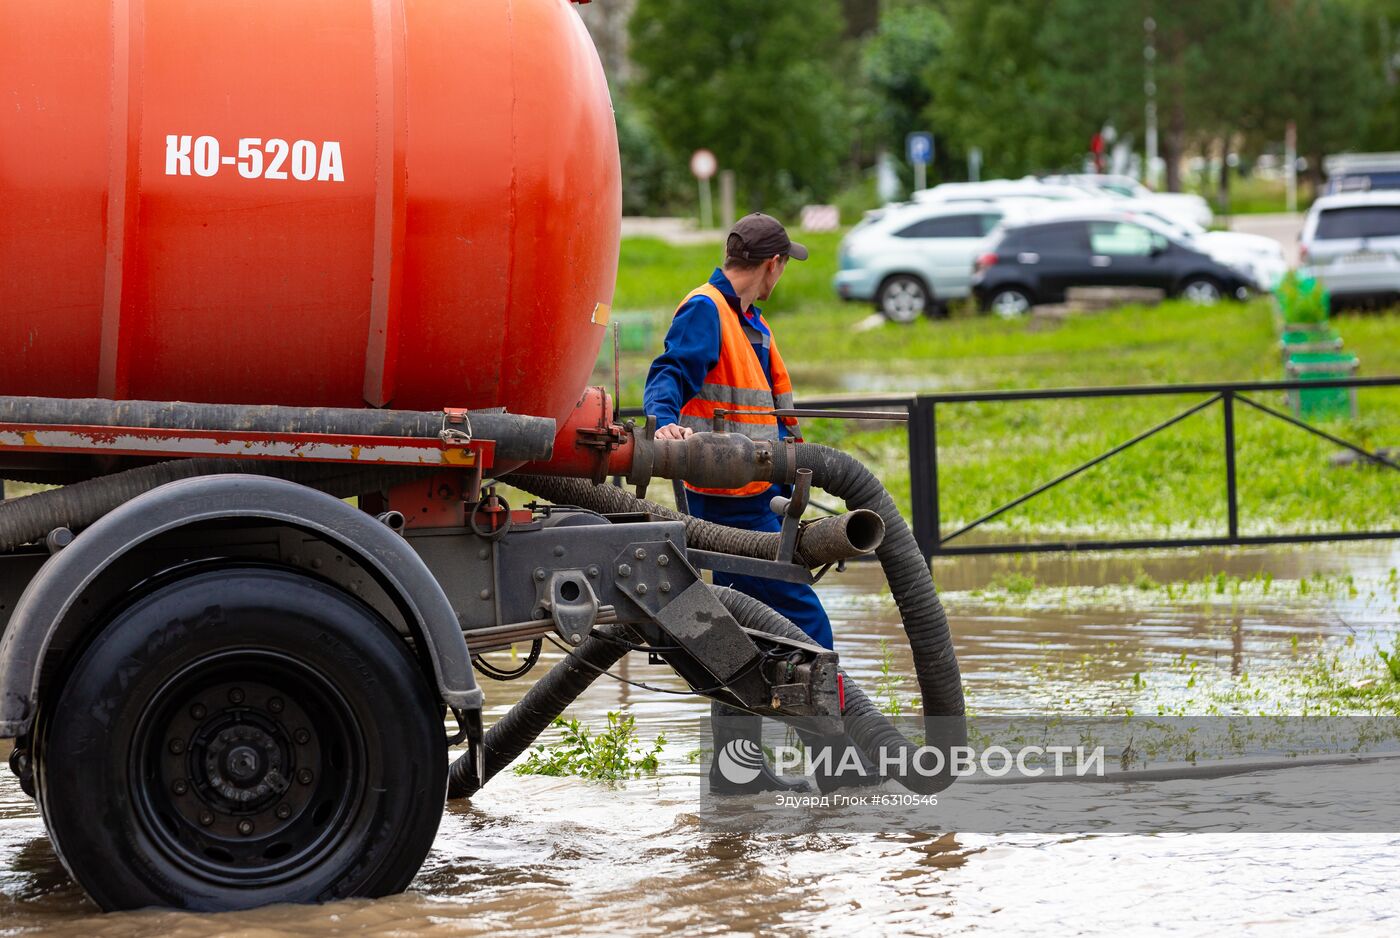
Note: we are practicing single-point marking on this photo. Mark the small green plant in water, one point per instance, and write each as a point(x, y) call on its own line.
point(1017, 584)
point(887, 684)
point(611, 755)
point(1392, 660)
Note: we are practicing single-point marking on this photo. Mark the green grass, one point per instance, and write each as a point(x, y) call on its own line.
point(990, 453)
point(1251, 195)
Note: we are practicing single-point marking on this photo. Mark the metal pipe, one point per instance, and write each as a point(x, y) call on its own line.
point(837, 539)
point(495, 637)
point(842, 537)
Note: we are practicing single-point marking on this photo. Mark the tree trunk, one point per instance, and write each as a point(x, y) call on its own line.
point(1174, 139)
point(862, 16)
point(1174, 142)
point(1222, 191)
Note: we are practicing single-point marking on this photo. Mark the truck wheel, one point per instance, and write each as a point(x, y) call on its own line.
point(239, 737)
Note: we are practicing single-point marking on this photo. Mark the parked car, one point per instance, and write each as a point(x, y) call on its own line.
point(1259, 257)
point(1362, 172)
point(912, 259)
point(1038, 261)
point(1351, 243)
point(1029, 188)
point(1179, 205)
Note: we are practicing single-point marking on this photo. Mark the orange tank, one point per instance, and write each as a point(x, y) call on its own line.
point(407, 203)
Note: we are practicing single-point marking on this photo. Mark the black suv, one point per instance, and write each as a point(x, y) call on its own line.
point(1037, 262)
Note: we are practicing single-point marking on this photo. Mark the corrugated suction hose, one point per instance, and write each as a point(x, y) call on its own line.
point(925, 622)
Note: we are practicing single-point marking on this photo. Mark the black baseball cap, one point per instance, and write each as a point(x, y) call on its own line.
point(760, 237)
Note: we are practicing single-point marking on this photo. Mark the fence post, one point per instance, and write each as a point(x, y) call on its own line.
point(1227, 401)
point(923, 475)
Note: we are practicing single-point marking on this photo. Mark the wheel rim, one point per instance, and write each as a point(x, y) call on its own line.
point(245, 767)
point(1202, 292)
point(902, 300)
point(1010, 304)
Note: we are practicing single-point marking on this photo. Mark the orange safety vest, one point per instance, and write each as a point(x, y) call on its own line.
point(737, 384)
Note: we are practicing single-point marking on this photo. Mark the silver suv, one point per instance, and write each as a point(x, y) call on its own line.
point(1351, 243)
point(911, 260)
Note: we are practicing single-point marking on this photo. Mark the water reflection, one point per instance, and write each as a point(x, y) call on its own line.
point(541, 856)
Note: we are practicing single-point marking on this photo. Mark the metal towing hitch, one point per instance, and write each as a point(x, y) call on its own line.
point(587, 570)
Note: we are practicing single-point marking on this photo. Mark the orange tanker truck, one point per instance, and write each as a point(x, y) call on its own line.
point(286, 288)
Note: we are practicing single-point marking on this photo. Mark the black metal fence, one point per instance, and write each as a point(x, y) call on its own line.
point(922, 411)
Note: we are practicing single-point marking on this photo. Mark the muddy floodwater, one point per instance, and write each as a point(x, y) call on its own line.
point(533, 855)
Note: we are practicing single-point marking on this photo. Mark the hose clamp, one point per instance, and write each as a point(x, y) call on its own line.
point(456, 427)
point(784, 461)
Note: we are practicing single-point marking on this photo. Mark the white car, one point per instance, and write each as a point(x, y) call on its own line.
point(911, 259)
point(1029, 188)
point(1183, 206)
point(1351, 243)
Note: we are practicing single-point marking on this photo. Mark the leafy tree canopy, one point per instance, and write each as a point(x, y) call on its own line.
point(759, 82)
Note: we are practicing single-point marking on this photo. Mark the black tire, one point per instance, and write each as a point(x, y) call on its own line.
point(1201, 290)
point(240, 737)
point(903, 298)
point(1009, 302)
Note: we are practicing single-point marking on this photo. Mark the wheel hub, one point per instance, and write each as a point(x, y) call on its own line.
point(243, 764)
point(246, 776)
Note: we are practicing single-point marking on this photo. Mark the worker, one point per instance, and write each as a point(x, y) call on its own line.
point(721, 355)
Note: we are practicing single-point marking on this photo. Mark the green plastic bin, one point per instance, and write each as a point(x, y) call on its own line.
point(1322, 403)
point(1295, 341)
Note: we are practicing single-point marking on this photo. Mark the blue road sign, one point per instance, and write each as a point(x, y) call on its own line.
point(918, 147)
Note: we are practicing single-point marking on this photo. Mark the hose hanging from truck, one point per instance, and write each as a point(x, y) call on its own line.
point(925, 623)
point(826, 540)
point(29, 519)
point(846, 477)
point(513, 733)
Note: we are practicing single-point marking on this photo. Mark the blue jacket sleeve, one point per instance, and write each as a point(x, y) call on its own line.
point(692, 350)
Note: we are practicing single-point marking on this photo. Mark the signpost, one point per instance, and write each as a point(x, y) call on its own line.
point(1290, 166)
point(703, 166)
point(918, 147)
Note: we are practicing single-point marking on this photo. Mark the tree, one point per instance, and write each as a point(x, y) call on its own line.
point(1030, 81)
point(753, 80)
point(989, 83)
point(1330, 83)
point(652, 177)
point(1380, 21)
point(895, 65)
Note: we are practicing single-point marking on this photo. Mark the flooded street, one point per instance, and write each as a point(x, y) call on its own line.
point(541, 856)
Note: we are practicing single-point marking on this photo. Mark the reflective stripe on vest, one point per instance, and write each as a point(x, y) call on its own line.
point(737, 384)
